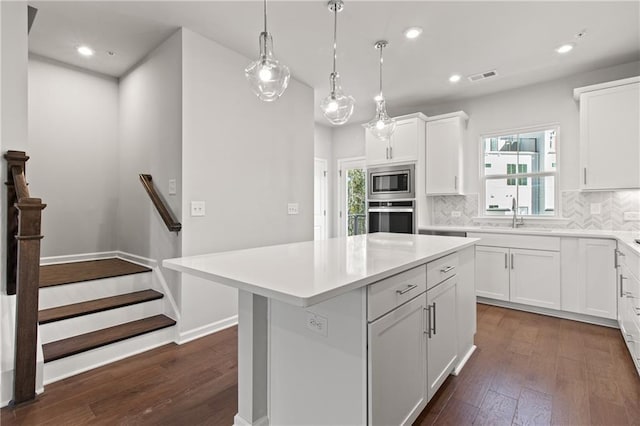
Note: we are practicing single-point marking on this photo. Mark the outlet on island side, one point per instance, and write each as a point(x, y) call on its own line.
point(317, 323)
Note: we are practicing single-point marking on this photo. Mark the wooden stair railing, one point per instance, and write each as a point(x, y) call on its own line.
point(24, 217)
point(172, 224)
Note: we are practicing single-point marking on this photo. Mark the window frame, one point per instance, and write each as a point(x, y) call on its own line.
point(482, 211)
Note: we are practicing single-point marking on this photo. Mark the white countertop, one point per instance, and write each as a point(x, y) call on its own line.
point(310, 272)
point(625, 237)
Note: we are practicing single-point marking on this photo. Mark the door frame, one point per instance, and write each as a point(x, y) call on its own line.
point(324, 197)
point(341, 193)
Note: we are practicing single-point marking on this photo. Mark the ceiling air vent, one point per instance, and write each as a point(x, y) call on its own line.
point(482, 75)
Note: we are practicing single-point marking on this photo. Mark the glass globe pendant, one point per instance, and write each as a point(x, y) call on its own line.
point(337, 108)
point(267, 78)
point(381, 126)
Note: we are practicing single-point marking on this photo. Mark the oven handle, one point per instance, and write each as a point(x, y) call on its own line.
point(389, 210)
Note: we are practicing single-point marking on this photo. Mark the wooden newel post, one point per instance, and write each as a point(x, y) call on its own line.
point(14, 159)
point(28, 277)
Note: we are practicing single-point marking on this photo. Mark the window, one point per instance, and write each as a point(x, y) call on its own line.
point(520, 166)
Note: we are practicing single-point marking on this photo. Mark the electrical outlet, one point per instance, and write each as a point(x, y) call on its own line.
point(317, 323)
point(456, 213)
point(197, 208)
point(292, 208)
point(631, 216)
point(172, 187)
point(596, 208)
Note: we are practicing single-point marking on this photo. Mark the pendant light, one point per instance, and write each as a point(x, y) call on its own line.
point(382, 126)
point(337, 107)
point(267, 77)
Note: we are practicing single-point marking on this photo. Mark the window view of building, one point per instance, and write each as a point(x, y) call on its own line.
point(520, 167)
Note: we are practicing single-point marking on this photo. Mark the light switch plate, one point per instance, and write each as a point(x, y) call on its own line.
point(198, 208)
point(596, 208)
point(631, 216)
point(292, 208)
point(172, 187)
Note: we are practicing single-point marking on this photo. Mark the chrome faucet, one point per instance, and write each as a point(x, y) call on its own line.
point(515, 222)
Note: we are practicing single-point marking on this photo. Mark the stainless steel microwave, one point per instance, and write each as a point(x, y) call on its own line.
point(391, 182)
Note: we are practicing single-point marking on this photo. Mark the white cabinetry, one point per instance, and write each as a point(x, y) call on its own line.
point(535, 277)
point(442, 345)
point(609, 135)
point(492, 272)
point(519, 269)
point(397, 365)
point(629, 301)
point(404, 144)
point(444, 153)
point(589, 276)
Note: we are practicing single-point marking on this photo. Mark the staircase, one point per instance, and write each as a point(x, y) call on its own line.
point(94, 312)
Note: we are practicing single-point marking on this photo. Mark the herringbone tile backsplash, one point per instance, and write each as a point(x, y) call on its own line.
point(576, 208)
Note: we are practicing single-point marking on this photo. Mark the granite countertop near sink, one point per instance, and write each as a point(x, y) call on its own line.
point(625, 237)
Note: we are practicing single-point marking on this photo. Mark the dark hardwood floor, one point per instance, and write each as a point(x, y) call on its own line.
point(528, 369)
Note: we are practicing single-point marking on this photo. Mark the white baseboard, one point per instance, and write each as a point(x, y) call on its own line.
point(52, 260)
point(605, 322)
point(240, 421)
point(464, 360)
point(196, 333)
point(134, 258)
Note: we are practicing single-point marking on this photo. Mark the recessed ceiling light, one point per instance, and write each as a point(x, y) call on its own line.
point(85, 50)
point(566, 48)
point(454, 78)
point(412, 32)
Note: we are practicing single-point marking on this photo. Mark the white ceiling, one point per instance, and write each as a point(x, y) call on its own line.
point(515, 38)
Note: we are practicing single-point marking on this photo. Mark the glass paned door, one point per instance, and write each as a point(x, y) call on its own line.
point(353, 193)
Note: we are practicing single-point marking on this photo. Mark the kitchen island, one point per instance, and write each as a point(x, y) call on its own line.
point(352, 330)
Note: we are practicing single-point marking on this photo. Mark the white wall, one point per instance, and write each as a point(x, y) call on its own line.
point(246, 159)
point(323, 148)
point(73, 144)
point(150, 125)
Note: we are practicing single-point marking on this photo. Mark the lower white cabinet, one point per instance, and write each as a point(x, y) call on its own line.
point(398, 364)
point(629, 304)
point(589, 277)
point(442, 323)
point(530, 277)
point(535, 277)
point(492, 272)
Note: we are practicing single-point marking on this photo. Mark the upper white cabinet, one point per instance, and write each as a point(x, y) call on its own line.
point(444, 153)
point(403, 145)
point(609, 135)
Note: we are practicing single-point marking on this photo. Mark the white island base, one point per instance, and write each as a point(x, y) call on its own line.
point(371, 331)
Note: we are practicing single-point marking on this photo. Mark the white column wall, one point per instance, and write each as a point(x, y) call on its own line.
point(246, 159)
point(150, 126)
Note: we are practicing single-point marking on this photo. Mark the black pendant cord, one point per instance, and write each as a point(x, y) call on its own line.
point(265, 16)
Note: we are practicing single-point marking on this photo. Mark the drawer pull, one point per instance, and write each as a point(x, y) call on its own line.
point(408, 289)
point(446, 269)
point(637, 310)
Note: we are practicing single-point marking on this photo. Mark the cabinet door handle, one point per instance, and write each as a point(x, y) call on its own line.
point(506, 261)
point(512, 262)
point(446, 269)
point(428, 309)
point(386, 153)
point(585, 175)
point(615, 258)
point(434, 318)
point(408, 289)
point(621, 286)
point(455, 182)
point(390, 153)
